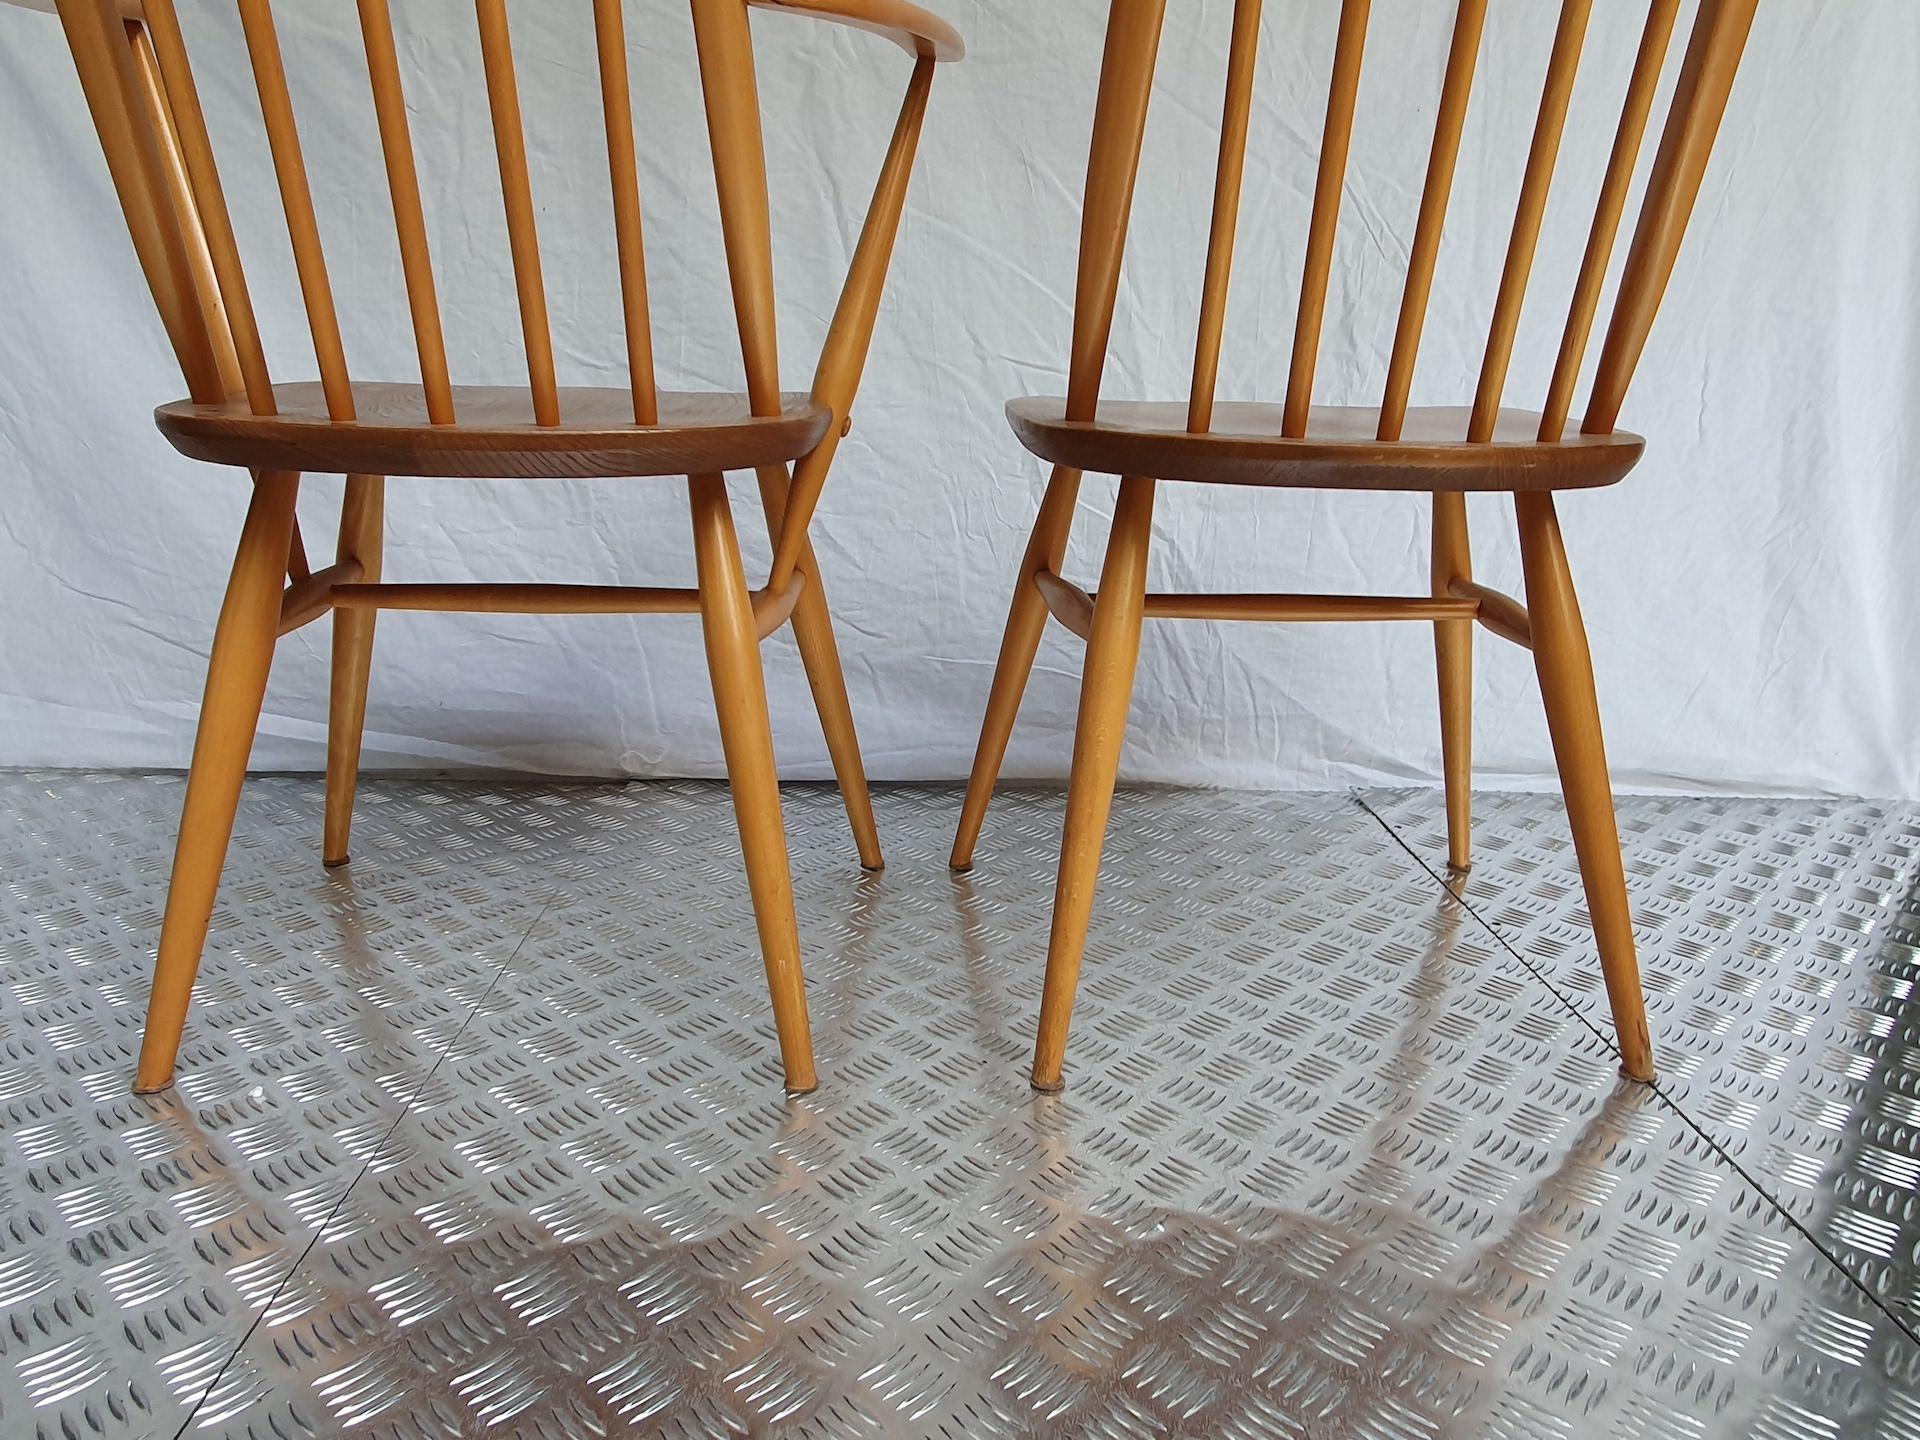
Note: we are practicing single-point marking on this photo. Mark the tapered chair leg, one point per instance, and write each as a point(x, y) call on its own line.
point(1573, 717)
point(1113, 653)
point(236, 686)
point(361, 524)
point(1026, 622)
point(820, 653)
point(746, 736)
point(1453, 652)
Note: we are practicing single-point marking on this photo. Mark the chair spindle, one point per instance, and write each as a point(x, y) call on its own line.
point(616, 95)
point(1243, 56)
point(210, 201)
point(1699, 104)
point(1542, 155)
point(179, 190)
point(732, 94)
point(296, 198)
point(523, 235)
point(409, 217)
point(1455, 91)
point(1119, 126)
point(1335, 141)
point(1654, 41)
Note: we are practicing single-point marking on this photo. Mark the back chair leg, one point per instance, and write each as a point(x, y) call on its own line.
point(1026, 623)
point(1573, 717)
point(820, 653)
point(1113, 653)
point(362, 520)
point(746, 736)
point(236, 686)
point(1453, 652)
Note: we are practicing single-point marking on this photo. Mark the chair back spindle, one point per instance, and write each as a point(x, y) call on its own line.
point(1693, 123)
point(209, 201)
point(1456, 89)
point(1243, 58)
point(516, 186)
point(1343, 95)
point(409, 215)
point(740, 172)
point(296, 200)
point(179, 191)
point(616, 93)
point(1119, 126)
point(1718, 38)
point(1543, 154)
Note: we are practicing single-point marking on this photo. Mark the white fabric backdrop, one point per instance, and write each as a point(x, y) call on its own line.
point(1750, 588)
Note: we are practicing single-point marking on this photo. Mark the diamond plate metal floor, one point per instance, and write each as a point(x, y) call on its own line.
point(485, 1134)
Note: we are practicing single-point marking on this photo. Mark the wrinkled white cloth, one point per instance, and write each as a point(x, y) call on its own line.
point(1750, 588)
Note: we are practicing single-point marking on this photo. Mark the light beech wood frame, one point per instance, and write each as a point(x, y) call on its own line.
point(1444, 452)
point(139, 84)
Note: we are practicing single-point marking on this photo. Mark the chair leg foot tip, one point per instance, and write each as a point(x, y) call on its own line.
point(1045, 1087)
point(960, 867)
point(794, 1092)
point(336, 864)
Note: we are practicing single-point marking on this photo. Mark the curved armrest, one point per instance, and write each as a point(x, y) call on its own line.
point(128, 9)
point(919, 31)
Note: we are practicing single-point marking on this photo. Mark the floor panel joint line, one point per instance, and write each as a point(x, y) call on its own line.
point(1666, 1098)
point(406, 1109)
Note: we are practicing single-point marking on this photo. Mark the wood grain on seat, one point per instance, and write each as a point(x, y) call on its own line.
point(1341, 450)
point(495, 436)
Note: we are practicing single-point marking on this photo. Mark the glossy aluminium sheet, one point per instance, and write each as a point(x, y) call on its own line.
point(484, 1134)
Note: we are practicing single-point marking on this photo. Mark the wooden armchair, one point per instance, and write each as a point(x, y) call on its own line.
point(1446, 452)
point(133, 62)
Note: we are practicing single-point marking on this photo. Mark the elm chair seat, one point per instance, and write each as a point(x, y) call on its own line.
point(1340, 451)
point(495, 435)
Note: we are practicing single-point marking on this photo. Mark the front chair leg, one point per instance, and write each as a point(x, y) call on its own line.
point(243, 647)
point(1573, 718)
point(746, 737)
point(361, 522)
point(1113, 653)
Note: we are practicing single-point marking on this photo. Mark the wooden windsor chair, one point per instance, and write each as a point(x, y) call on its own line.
point(140, 88)
point(1447, 452)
